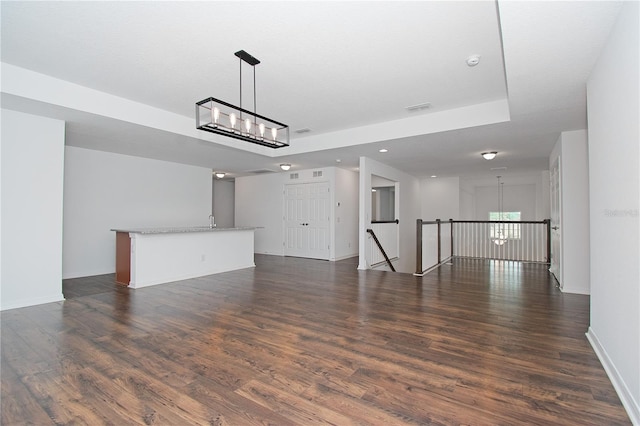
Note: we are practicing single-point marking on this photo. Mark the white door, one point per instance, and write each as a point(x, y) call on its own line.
point(556, 221)
point(318, 223)
point(296, 211)
point(306, 220)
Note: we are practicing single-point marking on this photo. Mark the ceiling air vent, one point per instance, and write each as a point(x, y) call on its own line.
point(301, 131)
point(260, 171)
point(418, 107)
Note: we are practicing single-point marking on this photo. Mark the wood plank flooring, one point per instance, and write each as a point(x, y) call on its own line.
point(298, 341)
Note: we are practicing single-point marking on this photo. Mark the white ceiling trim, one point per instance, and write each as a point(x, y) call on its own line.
point(422, 124)
point(39, 87)
point(43, 88)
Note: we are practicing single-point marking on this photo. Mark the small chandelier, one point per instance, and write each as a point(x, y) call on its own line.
point(216, 116)
point(499, 234)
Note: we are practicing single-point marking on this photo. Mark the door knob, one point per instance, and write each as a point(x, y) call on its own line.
point(555, 228)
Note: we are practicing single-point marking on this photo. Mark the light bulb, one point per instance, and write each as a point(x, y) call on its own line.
point(489, 155)
point(232, 120)
point(261, 128)
point(215, 115)
point(247, 124)
point(274, 133)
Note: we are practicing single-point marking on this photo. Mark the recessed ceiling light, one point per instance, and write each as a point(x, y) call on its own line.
point(373, 190)
point(473, 60)
point(338, 160)
point(434, 176)
point(220, 175)
point(383, 150)
point(489, 155)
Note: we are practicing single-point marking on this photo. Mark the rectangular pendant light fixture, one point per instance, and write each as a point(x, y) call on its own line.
point(223, 118)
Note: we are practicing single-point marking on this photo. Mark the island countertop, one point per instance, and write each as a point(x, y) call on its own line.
point(178, 229)
point(149, 256)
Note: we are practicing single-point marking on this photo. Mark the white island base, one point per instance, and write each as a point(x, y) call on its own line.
point(147, 257)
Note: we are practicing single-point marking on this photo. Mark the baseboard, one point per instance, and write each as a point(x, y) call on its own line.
point(632, 406)
point(72, 275)
point(23, 303)
point(348, 256)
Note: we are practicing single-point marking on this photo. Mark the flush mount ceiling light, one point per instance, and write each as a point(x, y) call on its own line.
point(489, 155)
point(216, 116)
point(220, 175)
point(383, 150)
point(285, 166)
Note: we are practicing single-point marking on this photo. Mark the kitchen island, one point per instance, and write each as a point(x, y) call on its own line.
point(149, 256)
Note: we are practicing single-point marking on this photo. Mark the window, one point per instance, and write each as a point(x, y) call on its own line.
point(510, 231)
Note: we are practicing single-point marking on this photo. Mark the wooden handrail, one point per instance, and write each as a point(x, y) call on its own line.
point(420, 223)
point(548, 223)
point(491, 221)
point(373, 234)
point(396, 221)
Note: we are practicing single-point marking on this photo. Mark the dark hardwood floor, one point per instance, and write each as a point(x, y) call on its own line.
point(85, 286)
point(297, 341)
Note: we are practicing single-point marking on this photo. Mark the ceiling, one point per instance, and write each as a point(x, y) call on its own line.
point(345, 70)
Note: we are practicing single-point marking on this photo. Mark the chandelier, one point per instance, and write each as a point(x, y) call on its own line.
point(499, 231)
point(223, 118)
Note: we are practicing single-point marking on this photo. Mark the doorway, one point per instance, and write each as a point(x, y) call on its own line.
point(306, 220)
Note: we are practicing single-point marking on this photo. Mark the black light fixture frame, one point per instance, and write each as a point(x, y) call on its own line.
point(209, 111)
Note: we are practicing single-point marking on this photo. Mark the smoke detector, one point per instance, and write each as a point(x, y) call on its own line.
point(473, 60)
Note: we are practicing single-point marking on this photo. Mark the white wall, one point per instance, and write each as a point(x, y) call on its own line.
point(574, 204)
point(440, 198)
point(516, 198)
point(224, 202)
point(346, 214)
point(467, 201)
point(103, 191)
point(527, 193)
point(543, 196)
point(32, 181)
point(408, 211)
point(259, 202)
point(614, 199)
